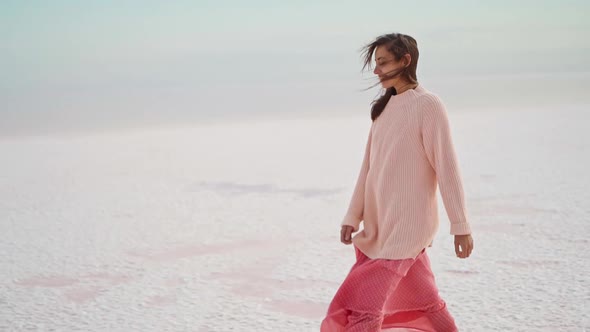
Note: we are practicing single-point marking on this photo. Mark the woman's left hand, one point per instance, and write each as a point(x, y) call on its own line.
point(465, 243)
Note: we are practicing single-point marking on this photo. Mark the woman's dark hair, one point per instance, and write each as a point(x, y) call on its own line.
point(398, 45)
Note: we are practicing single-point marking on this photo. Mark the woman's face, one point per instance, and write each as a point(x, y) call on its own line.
point(385, 63)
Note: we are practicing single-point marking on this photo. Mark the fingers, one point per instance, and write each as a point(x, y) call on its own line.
point(460, 249)
point(464, 247)
point(345, 234)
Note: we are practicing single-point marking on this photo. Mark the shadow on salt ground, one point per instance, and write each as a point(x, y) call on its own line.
point(529, 263)
point(234, 188)
point(462, 272)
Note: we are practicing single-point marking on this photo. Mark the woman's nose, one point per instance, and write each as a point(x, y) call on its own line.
point(376, 71)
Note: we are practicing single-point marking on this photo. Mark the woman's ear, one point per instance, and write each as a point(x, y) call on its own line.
point(407, 59)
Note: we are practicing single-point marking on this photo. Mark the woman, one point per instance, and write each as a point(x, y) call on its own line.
point(409, 152)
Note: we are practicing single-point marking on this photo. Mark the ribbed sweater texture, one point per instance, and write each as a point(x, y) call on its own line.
point(409, 154)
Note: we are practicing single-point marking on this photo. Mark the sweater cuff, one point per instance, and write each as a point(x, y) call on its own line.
point(351, 220)
point(460, 229)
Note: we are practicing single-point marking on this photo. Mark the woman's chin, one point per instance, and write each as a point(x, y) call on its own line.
point(387, 84)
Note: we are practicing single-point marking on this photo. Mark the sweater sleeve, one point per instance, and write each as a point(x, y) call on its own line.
point(354, 214)
point(438, 145)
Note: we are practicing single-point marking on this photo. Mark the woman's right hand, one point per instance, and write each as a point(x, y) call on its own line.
point(346, 234)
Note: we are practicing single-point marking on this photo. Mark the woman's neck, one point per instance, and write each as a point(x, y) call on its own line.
point(404, 86)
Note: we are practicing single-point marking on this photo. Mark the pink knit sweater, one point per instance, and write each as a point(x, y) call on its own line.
point(409, 150)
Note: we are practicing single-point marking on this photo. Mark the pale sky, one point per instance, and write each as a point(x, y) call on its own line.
point(68, 64)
